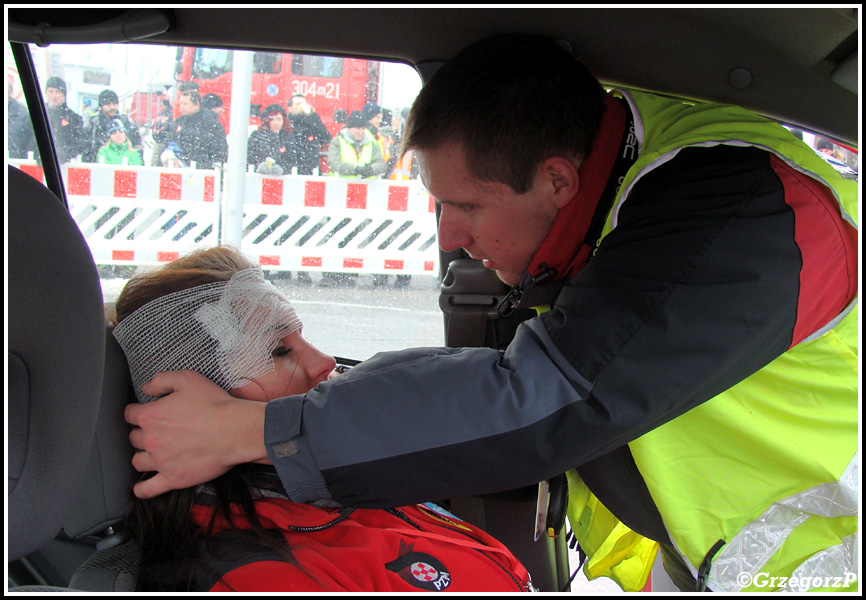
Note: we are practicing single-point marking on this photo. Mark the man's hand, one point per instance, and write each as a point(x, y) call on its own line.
point(193, 434)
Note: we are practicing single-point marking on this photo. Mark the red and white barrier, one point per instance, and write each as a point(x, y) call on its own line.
point(146, 183)
point(341, 225)
point(149, 215)
point(338, 193)
point(150, 183)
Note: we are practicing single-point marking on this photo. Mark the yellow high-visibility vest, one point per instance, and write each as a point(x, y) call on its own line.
point(348, 155)
point(780, 508)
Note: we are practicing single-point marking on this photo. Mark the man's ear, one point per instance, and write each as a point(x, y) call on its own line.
point(561, 179)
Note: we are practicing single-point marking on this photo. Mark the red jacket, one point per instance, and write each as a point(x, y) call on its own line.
point(409, 549)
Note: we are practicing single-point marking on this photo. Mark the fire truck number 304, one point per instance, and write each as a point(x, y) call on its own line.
point(309, 88)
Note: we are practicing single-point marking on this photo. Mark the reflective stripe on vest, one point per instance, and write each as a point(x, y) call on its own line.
point(822, 569)
point(743, 557)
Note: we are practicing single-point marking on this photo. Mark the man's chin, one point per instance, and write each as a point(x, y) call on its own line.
point(509, 279)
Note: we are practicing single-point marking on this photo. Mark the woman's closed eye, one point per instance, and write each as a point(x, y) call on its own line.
point(282, 350)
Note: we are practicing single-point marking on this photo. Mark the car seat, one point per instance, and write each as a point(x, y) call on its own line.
point(68, 469)
point(55, 359)
point(99, 508)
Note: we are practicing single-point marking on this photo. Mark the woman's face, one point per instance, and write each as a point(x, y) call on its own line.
point(298, 367)
point(276, 121)
point(117, 136)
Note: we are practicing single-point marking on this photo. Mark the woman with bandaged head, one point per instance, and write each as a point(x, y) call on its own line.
point(212, 312)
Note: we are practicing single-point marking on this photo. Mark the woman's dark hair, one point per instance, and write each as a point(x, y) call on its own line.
point(511, 101)
point(267, 114)
point(172, 545)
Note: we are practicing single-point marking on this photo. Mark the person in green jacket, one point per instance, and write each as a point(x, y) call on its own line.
point(118, 150)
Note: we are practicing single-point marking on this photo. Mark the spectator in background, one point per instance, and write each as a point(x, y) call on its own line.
point(19, 127)
point(310, 134)
point(354, 152)
point(213, 103)
point(273, 140)
point(198, 134)
point(386, 138)
point(87, 111)
point(398, 119)
point(830, 149)
point(118, 150)
point(98, 126)
point(161, 132)
point(373, 116)
point(66, 125)
point(401, 167)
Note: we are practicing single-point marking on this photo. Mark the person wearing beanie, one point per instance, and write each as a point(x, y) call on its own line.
point(354, 152)
point(66, 125)
point(97, 128)
point(373, 116)
point(109, 97)
point(213, 103)
point(273, 140)
point(356, 119)
point(198, 133)
point(118, 149)
point(310, 134)
point(116, 125)
point(55, 83)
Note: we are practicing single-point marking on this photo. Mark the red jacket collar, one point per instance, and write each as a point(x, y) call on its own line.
point(565, 248)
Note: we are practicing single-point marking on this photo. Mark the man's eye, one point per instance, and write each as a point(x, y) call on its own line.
point(281, 351)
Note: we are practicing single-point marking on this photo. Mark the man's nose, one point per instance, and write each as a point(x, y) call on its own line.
point(451, 235)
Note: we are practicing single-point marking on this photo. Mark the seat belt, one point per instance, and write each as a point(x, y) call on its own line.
point(469, 296)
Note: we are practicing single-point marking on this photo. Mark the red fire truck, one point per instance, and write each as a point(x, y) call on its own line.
point(146, 104)
point(332, 85)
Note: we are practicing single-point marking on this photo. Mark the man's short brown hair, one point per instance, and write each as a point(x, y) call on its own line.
point(511, 101)
point(193, 96)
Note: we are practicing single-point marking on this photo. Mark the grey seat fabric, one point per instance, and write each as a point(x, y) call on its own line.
point(56, 351)
point(101, 505)
point(115, 569)
point(43, 589)
point(103, 502)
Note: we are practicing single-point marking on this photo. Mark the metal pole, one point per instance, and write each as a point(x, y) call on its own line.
point(235, 174)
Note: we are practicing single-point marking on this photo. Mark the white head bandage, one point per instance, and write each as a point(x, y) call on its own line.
point(226, 331)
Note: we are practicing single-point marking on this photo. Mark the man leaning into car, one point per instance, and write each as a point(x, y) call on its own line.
point(693, 367)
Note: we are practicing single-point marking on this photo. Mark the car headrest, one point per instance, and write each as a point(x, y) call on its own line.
point(56, 330)
point(103, 500)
